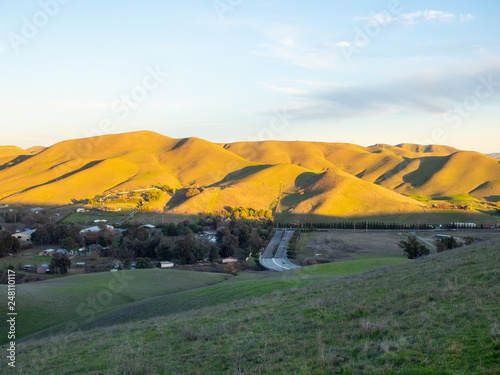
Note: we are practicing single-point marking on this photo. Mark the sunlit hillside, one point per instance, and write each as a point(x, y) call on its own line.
point(297, 177)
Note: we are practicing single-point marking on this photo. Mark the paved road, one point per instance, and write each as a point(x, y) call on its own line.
point(278, 262)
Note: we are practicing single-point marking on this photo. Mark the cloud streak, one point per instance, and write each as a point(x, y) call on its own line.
point(428, 94)
point(414, 17)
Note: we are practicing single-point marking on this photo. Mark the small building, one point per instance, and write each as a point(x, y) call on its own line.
point(80, 209)
point(62, 251)
point(44, 268)
point(36, 210)
point(29, 267)
point(166, 264)
point(464, 225)
point(100, 221)
point(228, 260)
point(46, 253)
point(80, 264)
point(148, 226)
point(25, 236)
point(96, 229)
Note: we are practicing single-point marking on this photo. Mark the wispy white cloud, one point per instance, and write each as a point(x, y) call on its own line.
point(287, 90)
point(426, 92)
point(466, 17)
point(297, 55)
point(379, 18)
point(413, 17)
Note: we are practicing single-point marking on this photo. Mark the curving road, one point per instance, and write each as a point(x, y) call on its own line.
point(278, 261)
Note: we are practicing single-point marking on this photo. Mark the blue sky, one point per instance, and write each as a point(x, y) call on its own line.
point(228, 70)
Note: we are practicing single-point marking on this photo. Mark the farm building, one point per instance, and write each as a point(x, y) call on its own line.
point(464, 225)
point(46, 253)
point(36, 210)
point(228, 260)
point(148, 226)
point(62, 251)
point(166, 264)
point(96, 229)
point(80, 209)
point(25, 236)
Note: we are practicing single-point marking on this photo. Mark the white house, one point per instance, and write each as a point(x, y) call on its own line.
point(96, 229)
point(166, 264)
point(228, 260)
point(25, 236)
point(81, 209)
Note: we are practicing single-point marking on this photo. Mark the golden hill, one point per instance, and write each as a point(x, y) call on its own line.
point(299, 177)
point(338, 193)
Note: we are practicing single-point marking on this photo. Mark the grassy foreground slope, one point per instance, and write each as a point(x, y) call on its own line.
point(46, 303)
point(437, 315)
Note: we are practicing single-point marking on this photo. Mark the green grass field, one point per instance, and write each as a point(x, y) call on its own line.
point(47, 303)
point(87, 218)
point(435, 315)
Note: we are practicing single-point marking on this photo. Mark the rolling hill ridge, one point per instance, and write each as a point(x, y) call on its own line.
point(298, 177)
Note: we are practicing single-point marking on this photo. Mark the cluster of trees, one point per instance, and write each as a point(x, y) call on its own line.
point(449, 206)
point(192, 192)
point(179, 242)
point(166, 188)
point(292, 245)
point(243, 213)
point(26, 216)
point(152, 195)
point(49, 234)
point(450, 243)
point(413, 248)
point(8, 243)
point(60, 263)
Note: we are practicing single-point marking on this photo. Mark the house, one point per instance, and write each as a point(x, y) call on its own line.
point(80, 264)
point(44, 268)
point(29, 267)
point(25, 236)
point(228, 260)
point(166, 264)
point(95, 248)
point(62, 251)
point(148, 226)
point(46, 253)
point(36, 210)
point(96, 229)
point(80, 209)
